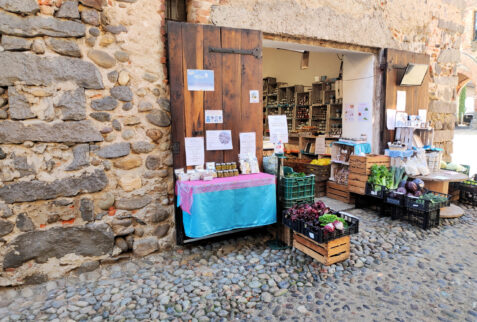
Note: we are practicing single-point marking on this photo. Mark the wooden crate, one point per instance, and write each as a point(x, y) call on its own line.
point(357, 183)
point(332, 252)
point(320, 188)
point(338, 192)
point(362, 164)
point(285, 235)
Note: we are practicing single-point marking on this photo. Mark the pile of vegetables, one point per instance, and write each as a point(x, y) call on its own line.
point(413, 188)
point(295, 175)
point(452, 166)
point(471, 182)
point(316, 216)
point(381, 176)
point(324, 161)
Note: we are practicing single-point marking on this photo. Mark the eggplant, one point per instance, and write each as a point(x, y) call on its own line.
point(401, 190)
point(418, 193)
point(402, 184)
point(411, 186)
point(419, 183)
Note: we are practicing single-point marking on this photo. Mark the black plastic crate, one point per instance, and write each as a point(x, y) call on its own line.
point(318, 234)
point(321, 236)
point(395, 198)
point(416, 203)
point(397, 212)
point(468, 193)
point(372, 203)
point(375, 190)
point(422, 218)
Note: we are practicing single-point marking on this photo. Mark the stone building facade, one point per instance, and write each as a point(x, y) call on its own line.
point(85, 155)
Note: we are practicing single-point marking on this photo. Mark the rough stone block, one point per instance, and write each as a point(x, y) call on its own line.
point(450, 26)
point(87, 209)
point(68, 9)
point(441, 107)
point(17, 132)
point(73, 105)
point(64, 47)
point(449, 56)
point(15, 43)
point(145, 246)
point(128, 162)
point(89, 240)
point(28, 7)
point(101, 58)
point(6, 227)
point(133, 202)
point(159, 118)
point(34, 26)
point(115, 150)
point(34, 70)
point(107, 103)
point(80, 157)
point(97, 4)
point(18, 105)
point(39, 190)
point(24, 223)
point(91, 17)
point(443, 135)
point(122, 93)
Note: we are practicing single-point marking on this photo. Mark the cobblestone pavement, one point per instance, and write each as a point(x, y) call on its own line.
point(396, 272)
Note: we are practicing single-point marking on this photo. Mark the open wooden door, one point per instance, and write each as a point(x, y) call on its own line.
point(417, 97)
point(235, 56)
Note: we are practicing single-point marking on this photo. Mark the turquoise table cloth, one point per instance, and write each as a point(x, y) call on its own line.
point(224, 204)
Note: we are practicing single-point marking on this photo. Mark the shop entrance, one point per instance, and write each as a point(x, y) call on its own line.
point(322, 91)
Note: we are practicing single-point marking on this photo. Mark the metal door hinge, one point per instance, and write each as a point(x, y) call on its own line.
point(254, 52)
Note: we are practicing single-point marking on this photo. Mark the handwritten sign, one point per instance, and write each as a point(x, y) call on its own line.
point(194, 148)
point(277, 124)
point(247, 143)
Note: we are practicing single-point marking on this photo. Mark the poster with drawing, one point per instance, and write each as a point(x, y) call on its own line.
point(218, 140)
point(363, 112)
point(349, 112)
point(214, 116)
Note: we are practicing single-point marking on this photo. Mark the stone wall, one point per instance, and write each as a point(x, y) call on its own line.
point(85, 161)
point(432, 27)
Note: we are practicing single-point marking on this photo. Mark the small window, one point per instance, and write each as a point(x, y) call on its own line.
point(176, 10)
point(475, 26)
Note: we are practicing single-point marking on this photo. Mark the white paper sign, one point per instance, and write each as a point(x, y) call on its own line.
point(320, 145)
point(194, 148)
point(214, 116)
point(401, 101)
point(390, 119)
point(401, 119)
point(254, 96)
point(247, 143)
point(200, 80)
point(219, 140)
point(277, 124)
point(423, 115)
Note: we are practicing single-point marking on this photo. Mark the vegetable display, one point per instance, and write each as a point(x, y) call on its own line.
point(381, 176)
point(324, 161)
point(295, 175)
point(317, 216)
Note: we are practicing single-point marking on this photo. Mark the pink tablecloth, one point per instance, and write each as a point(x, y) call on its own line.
point(185, 190)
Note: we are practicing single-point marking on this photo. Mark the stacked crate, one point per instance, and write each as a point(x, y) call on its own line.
point(360, 169)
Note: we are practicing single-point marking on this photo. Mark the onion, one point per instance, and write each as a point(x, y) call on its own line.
point(338, 225)
point(329, 228)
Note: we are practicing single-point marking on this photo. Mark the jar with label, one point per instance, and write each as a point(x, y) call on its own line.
point(220, 174)
point(234, 165)
point(218, 166)
point(236, 172)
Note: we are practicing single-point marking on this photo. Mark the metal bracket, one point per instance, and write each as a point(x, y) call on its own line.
point(254, 52)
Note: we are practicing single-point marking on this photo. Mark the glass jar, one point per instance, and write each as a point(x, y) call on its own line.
point(220, 174)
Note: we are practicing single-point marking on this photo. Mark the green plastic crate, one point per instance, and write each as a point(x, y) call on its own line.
point(298, 188)
point(288, 203)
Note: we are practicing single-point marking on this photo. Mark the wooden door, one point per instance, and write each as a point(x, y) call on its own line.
point(417, 97)
point(235, 56)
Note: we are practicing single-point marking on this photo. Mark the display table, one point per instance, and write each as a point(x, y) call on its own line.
point(439, 181)
point(225, 204)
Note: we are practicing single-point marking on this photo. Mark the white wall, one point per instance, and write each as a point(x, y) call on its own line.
point(285, 66)
point(358, 88)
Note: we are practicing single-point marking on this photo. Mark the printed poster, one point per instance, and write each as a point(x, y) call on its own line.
point(254, 96)
point(200, 80)
point(320, 145)
point(214, 116)
point(363, 112)
point(277, 124)
point(349, 112)
point(247, 143)
point(194, 149)
point(219, 140)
